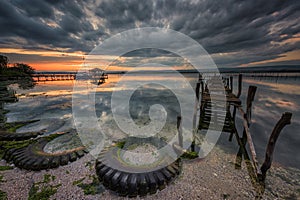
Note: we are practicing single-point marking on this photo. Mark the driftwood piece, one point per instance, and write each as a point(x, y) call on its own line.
point(284, 120)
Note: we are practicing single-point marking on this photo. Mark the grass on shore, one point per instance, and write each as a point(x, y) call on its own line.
point(44, 192)
point(3, 195)
point(4, 168)
point(92, 188)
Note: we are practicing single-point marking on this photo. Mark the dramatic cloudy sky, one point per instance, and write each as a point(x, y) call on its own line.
point(57, 34)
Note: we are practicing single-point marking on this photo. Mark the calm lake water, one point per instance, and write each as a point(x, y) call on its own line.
point(51, 103)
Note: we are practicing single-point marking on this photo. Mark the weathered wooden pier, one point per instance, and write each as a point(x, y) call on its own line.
point(211, 116)
point(53, 77)
point(99, 78)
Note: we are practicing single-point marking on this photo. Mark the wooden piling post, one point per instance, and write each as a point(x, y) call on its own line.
point(250, 98)
point(239, 85)
point(231, 83)
point(240, 79)
point(179, 128)
point(246, 123)
point(197, 90)
point(196, 105)
point(250, 141)
point(284, 120)
point(202, 87)
point(199, 77)
point(227, 82)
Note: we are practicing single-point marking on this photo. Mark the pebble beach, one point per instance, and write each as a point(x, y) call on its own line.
point(214, 177)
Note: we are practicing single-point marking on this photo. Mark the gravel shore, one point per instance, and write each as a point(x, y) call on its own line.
point(214, 177)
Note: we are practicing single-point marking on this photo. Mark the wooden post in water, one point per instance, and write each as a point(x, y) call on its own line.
point(195, 113)
point(284, 120)
point(199, 77)
point(179, 128)
point(246, 124)
point(202, 87)
point(227, 82)
point(239, 85)
point(240, 78)
point(250, 98)
point(238, 95)
point(231, 83)
point(197, 90)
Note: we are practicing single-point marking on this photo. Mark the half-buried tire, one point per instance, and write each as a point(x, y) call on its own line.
point(129, 180)
point(6, 135)
point(33, 156)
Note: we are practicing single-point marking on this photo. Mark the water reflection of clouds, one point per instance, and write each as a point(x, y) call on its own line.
point(271, 101)
point(48, 102)
point(287, 88)
point(53, 101)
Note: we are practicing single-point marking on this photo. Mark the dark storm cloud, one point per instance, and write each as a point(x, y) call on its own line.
point(25, 58)
point(74, 25)
point(29, 21)
point(124, 14)
point(34, 8)
point(15, 24)
point(231, 25)
point(253, 30)
point(220, 26)
point(149, 52)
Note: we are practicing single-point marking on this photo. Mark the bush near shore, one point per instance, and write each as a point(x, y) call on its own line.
point(15, 70)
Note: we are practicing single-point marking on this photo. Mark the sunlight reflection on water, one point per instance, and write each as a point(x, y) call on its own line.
point(51, 102)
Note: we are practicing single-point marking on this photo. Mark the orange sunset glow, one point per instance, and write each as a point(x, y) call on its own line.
point(61, 38)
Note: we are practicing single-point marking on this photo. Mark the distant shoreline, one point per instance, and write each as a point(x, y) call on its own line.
point(265, 69)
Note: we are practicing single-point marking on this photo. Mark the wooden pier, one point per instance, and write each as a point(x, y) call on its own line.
point(53, 77)
point(97, 78)
point(212, 114)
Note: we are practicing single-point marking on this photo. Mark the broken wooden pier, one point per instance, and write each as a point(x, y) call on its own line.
point(212, 114)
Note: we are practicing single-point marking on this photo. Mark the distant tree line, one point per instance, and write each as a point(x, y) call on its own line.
point(17, 69)
point(19, 73)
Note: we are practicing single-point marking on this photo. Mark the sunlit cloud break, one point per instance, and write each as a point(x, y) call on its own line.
point(57, 35)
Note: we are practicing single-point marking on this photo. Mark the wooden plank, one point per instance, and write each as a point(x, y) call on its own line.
point(231, 98)
point(250, 141)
